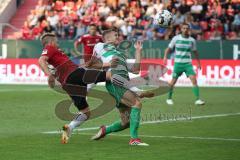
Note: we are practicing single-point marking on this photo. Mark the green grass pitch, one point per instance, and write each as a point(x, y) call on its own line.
point(212, 134)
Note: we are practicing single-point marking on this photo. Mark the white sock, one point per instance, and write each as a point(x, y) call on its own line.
point(90, 86)
point(136, 90)
point(78, 120)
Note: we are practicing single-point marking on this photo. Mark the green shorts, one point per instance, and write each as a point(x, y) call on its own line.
point(179, 68)
point(117, 92)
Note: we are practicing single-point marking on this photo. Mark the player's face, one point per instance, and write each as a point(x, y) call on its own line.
point(112, 37)
point(92, 30)
point(185, 30)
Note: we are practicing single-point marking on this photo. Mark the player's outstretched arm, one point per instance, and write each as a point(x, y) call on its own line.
point(44, 66)
point(76, 43)
point(137, 66)
point(167, 51)
point(197, 58)
point(94, 63)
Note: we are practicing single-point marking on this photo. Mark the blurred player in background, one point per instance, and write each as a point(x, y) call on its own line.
point(73, 79)
point(88, 41)
point(184, 45)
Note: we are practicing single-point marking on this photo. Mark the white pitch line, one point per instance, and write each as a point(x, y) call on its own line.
point(159, 121)
point(173, 137)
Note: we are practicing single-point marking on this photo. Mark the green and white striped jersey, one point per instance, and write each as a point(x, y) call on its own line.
point(183, 48)
point(107, 52)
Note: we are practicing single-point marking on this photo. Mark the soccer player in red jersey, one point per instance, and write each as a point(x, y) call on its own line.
point(73, 79)
point(88, 41)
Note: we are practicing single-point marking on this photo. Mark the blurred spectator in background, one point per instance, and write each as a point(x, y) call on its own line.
point(183, 8)
point(178, 19)
point(236, 22)
point(26, 31)
point(196, 10)
point(196, 30)
point(32, 18)
point(60, 31)
point(70, 18)
point(36, 31)
point(53, 19)
point(81, 30)
point(48, 28)
point(72, 30)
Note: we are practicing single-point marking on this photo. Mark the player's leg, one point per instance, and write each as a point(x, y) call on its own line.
point(131, 99)
point(122, 124)
point(192, 76)
point(196, 91)
point(77, 90)
point(141, 93)
point(177, 71)
point(117, 126)
point(172, 83)
point(79, 119)
point(90, 76)
point(82, 115)
point(128, 84)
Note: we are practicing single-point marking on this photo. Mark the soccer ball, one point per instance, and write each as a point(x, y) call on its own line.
point(163, 18)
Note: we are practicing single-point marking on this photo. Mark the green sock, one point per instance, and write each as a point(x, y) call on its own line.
point(170, 93)
point(134, 122)
point(196, 92)
point(115, 127)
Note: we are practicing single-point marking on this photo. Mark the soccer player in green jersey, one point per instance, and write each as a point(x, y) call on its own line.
point(184, 45)
point(127, 101)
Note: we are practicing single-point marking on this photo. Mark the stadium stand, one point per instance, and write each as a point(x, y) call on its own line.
point(18, 19)
point(209, 19)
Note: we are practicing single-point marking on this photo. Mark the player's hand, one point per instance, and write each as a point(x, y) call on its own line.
point(138, 45)
point(94, 62)
point(51, 81)
point(199, 66)
point(164, 61)
point(114, 62)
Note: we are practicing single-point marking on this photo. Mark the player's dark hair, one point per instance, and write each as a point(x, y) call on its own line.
point(46, 38)
point(185, 24)
point(47, 35)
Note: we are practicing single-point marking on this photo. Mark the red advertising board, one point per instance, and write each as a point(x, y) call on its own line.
point(218, 73)
point(21, 71)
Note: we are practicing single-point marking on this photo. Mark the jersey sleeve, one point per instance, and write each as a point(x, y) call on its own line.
point(98, 49)
point(172, 43)
point(95, 51)
point(48, 51)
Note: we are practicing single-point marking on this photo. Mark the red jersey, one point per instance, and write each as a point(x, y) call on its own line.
point(89, 42)
point(60, 61)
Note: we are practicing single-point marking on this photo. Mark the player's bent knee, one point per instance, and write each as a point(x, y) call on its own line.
point(138, 104)
point(125, 125)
